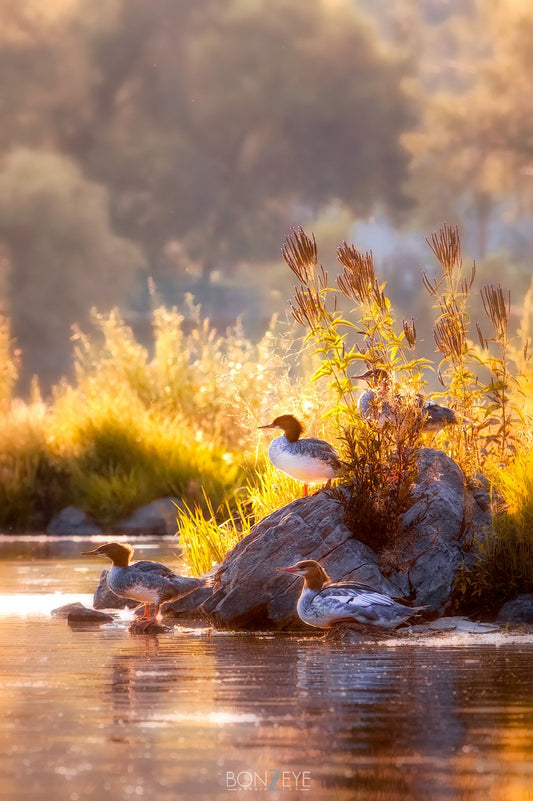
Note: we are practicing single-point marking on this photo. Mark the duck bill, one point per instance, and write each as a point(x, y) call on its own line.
point(96, 552)
point(290, 569)
point(267, 426)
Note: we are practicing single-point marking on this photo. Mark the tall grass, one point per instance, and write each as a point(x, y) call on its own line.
point(178, 418)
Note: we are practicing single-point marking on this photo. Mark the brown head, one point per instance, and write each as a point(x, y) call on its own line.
point(375, 377)
point(313, 574)
point(120, 553)
point(290, 425)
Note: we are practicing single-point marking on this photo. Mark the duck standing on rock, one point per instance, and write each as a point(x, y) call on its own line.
point(323, 603)
point(153, 584)
point(309, 460)
point(378, 402)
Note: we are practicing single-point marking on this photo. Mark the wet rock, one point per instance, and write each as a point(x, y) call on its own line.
point(250, 593)
point(519, 610)
point(437, 536)
point(459, 624)
point(145, 626)
point(154, 519)
point(82, 615)
point(349, 633)
point(187, 609)
point(64, 611)
point(72, 521)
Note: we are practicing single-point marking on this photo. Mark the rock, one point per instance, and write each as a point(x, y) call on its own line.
point(64, 611)
point(82, 615)
point(72, 520)
point(519, 610)
point(154, 519)
point(461, 624)
point(144, 626)
point(187, 609)
point(439, 530)
point(437, 536)
point(250, 594)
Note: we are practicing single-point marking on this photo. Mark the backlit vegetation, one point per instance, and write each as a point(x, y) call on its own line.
point(180, 417)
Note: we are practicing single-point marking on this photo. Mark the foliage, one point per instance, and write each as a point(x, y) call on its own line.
point(180, 420)
point(503, 566)
point(380, 455)
point(207, 538)
point(64, 255)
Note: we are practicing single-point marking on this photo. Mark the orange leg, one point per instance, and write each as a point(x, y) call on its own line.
point(147, 611)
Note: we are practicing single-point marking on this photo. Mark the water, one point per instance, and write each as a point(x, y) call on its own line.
point(95, 713)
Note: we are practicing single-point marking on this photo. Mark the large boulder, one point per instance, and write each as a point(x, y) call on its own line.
point(519, 610)
point(438, 533)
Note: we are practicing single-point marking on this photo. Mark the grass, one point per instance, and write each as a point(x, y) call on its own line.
point(180, 418)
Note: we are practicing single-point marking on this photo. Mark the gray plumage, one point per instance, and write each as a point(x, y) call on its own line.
point(309, 460)
point(145, 581)
point(322, 603)
point(374, 405)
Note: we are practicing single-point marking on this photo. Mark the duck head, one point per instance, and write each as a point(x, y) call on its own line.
point(119, 553)
point(313, 574)
point(289, 424)
point(375, 377)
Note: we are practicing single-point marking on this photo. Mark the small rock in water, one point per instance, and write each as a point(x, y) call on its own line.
point(144, 626)
point(83, 615)
point(64, 611)
point(351, 633)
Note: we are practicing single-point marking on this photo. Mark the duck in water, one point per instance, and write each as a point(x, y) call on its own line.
point(323, 603)
point(145, 581)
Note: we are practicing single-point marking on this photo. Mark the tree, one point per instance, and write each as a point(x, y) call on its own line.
point(213, 122)
point(473, 153)
point(63, 256)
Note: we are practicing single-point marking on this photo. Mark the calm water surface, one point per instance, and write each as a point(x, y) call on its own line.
point(98, 713)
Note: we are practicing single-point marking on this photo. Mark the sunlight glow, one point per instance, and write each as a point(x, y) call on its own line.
point(41, 604)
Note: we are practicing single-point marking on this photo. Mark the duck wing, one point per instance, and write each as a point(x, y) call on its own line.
point(148, 566)
point(349, 595)
point(356, 586)
point(319, 449)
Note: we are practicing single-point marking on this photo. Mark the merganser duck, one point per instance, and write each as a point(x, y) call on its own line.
point(309, 460)
point(323, 603)
point(374, 405)
point(145, 581)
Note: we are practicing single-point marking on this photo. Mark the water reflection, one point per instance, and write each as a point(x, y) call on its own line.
point(184, 715)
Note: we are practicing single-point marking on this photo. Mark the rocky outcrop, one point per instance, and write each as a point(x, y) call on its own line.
point(437, 535)
point(519, 610)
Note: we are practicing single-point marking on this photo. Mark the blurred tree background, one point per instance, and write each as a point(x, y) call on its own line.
point(180, 139)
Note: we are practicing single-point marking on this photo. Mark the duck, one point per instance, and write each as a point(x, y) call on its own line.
point(145, 581)
point(375, 403)
point(309, 460)
point(323, 603)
